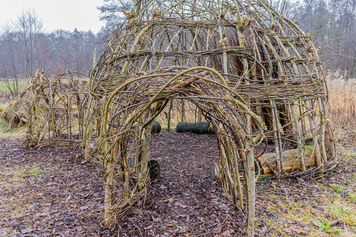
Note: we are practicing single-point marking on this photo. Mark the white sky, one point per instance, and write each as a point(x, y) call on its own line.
point(56, 14)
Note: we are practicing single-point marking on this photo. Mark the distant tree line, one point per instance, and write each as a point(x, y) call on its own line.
point(332, 23)
point(25, 47)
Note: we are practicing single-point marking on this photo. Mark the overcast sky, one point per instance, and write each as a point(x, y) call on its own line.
point(56, 14)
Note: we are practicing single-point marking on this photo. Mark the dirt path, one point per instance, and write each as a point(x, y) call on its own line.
point(49, 192)
point(184, 201)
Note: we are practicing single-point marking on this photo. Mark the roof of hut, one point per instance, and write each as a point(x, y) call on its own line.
point(258, 50)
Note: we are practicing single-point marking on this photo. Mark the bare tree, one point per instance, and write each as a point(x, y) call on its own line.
point(111, 12)
point(30, 27)
point(332, 24)
point(12, 85)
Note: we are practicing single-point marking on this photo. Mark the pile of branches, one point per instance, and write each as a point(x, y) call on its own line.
point(14, 114)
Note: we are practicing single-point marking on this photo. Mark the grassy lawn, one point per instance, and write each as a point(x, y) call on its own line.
point(309, 207)
point(22, 84)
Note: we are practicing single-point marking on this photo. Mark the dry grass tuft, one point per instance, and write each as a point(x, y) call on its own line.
point(342, 105)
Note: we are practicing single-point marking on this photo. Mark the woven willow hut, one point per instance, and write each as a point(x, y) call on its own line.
point(54, 110)
point(248, 69)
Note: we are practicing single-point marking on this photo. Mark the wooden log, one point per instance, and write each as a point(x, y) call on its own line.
point(268, 161)
point(154, 168)
point(291, 162)
point(198, 127)
point(156, 127)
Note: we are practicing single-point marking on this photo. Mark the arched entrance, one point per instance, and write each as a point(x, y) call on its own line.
point(126, 131)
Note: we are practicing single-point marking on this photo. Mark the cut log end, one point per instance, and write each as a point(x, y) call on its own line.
point(156, 127)
point(154, 169)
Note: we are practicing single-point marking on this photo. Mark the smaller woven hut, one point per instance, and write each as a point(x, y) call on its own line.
point(54, 110)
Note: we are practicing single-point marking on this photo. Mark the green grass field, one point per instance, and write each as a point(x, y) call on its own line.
point(22, 84)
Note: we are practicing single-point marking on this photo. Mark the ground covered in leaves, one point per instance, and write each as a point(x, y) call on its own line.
point(52, 192)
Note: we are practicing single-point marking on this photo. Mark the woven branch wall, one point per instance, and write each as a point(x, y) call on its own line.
point(54, 110)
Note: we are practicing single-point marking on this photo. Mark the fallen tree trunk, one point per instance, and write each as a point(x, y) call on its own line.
point(291, 162)
point(199, 127)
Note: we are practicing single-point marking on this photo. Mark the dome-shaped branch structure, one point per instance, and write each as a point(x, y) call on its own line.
point(247, 67)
